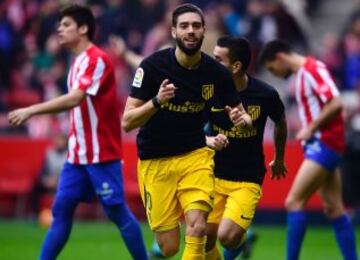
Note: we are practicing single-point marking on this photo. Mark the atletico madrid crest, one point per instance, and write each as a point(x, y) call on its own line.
point(254, 112)
point(208, 91)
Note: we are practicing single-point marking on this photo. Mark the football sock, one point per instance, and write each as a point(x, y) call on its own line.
point(58, 234)
point(345, 237)
point(296, 225)
point(194, 248)
point(129, 229)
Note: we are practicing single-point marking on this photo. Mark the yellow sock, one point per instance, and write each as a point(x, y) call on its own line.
point(213, 254)
point(194, 248)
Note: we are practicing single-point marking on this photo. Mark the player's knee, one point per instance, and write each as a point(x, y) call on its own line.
point(292, 204)
point(111, 212)
point(332, 211)
point(230, 238)
point(196, 228)
point(62, 208)
point(169, 248)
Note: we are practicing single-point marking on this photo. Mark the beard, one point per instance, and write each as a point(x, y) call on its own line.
point(187, 50)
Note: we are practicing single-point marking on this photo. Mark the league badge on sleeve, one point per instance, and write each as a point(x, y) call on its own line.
point(138, 78)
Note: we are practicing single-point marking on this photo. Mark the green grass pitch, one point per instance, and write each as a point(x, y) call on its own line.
point(101, 240)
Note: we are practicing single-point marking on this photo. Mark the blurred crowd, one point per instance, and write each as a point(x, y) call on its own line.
point(34, 66)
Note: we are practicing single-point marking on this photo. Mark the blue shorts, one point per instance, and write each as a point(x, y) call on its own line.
point(317, 151)
point(84, 182)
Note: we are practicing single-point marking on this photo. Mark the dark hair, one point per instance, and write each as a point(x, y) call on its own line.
point(239, 49)
point(186, 8)
point(82, 16)
point(271, 49)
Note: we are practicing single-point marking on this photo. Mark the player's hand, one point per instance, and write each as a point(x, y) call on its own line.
point(218, 142)
point(19, 116)
point(239, 118)
point(304, 134)
point(166, 91)
point(118, 45)
point(278, 169)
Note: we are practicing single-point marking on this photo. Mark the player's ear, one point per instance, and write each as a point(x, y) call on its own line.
point(280, 55)
point(173, 32)
point(236, 67)
point(83, 29)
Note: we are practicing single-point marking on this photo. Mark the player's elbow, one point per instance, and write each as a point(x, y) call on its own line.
point(337, 105)
point(126, 125)
point(75, 98)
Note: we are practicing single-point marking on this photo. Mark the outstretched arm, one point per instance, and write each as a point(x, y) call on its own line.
point(59, 104)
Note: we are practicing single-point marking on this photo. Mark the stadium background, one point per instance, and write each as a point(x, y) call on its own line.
point(33, 68)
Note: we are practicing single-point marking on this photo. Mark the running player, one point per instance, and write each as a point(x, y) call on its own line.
point(93, 166)
point(322, 135)
point(167, 100)
point(239, 160)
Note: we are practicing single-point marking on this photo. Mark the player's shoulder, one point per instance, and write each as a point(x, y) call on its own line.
point(211, 64)
point(262, 86)
point(214, 68)
point(95, 54)
point(157, 58)
point(312, 64)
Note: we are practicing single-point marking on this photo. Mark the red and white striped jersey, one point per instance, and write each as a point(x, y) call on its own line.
point(314, 88)
point(94, 134)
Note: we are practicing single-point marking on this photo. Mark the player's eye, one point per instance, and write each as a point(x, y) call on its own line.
point(197, 25)
point(184, 25)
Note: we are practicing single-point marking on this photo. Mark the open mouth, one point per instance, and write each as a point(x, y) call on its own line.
point(190, 41)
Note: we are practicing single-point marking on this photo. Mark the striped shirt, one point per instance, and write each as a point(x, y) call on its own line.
point(315, 88)
point(94, 134)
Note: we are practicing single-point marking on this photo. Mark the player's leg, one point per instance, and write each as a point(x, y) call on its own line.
point(155, 250)
point(213, 221)
point(195, 233)
point(107, 181)
point(195, 191)
point(330, 192)
point(212, 251)
point(239, 213)
point(72, 186)
point(308, 179)
point(168, 241)
point(158, 188)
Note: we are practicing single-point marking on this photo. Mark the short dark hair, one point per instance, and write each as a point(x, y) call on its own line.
point(186, 8)
point(271, 49)
point(239, 49)
point(82, 16)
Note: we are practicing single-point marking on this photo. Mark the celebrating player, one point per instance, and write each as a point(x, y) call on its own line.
point(239, 160)
point(167, 100)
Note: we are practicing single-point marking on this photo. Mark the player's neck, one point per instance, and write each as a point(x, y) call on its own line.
point(80, 47)
point(241, 81)
point(186, 61)
point(295, 61)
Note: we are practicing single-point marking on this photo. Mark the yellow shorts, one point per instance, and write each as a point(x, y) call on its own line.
point(236, 201)
point(173, 185)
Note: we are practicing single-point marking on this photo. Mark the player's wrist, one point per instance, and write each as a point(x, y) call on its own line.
point(156, 103)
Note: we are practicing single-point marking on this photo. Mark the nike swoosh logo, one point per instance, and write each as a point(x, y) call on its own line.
point(243, 217)
point(214, 109)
